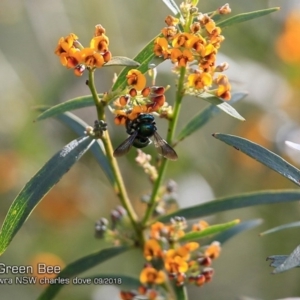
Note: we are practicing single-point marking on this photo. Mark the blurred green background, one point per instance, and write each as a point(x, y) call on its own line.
point(262, 61)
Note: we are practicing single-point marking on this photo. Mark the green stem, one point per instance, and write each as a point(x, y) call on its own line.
point(170, 135)
point(118, 184)
point(180, 292)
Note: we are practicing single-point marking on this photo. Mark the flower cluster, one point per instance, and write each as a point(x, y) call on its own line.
point(168, 256)
point(137, 98)
point(73, 55)
point(193, 42)
point(118, 230)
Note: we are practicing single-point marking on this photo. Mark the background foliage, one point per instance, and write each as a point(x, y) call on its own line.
point(62, 226)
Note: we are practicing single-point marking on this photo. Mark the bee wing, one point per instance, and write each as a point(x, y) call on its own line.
point(125, 146)
point(164, 148)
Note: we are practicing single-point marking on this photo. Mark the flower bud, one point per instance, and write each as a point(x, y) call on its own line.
point(79, 69)
point(146, 92)
point(200, 280)
point(99, 30)
point(158, 90)
point(208, 273)
point(133, 92)
point(204, 261)
point(225, 9)
point(106, 56)
point(195, 27)
point(123, 100)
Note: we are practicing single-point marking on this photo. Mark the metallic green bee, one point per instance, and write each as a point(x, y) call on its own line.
point(140, 130)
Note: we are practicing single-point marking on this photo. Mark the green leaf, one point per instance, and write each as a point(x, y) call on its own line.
point(277, 260)
point(227, 108)
point(234, 202)
point(155, 61)
point(263, 155)
point(285, 263)
point(211, 230)
point(79, 126)
point(39, 186)
point(143, 58)
point(72, 104)
point(121, 61)
point(246, 16)
point(79, 266)
point(128, 282)
point(229, 233)
point(204, 116)
point(281, 227)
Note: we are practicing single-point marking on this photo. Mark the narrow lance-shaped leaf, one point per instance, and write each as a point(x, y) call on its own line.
point(234, 202)
point(277, 260)
point(81, 265)
point(281, 227)
point(97, 148)
point(211, 230)
point(204, 116)
point(226, 107)
point(284, 263)
point(229, 233)
point(121, 61)
point(39, 186)
point(246, 16)
point(263, 155)
point(79, 126)
point(72, 104)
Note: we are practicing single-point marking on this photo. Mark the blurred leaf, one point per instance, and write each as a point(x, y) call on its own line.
point(121, 61)
point(172, 6)
point(39, 186)
point(144, 58)
point(72, 104)
point(229, 233)
point(79, 126)
point(293, 145)
point(227, 108)
point(246, 16)
point(73, 122)
point(282, 227)
point(83, 264)
point(234, 202)
point(263, 155)
point(284, 263)
point(211, 230)
point(128, 282)
point(204, 116)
